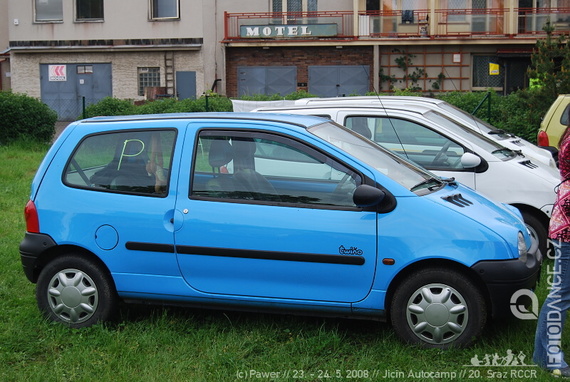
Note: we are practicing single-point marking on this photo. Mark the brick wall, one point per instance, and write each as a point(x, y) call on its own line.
point(301, 57)
point(25, 69)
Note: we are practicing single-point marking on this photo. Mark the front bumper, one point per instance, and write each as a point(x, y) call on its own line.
point(503, 278)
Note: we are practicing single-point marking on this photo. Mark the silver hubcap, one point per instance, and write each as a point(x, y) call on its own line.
point(72, 296)
point(437, 314)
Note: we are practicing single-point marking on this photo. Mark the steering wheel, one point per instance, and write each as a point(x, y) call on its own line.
point(441, 153)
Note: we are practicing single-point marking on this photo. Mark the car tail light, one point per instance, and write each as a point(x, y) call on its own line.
point(542, 138)
point(32, 220)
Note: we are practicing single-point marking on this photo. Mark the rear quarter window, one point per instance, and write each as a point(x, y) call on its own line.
point(133, 161)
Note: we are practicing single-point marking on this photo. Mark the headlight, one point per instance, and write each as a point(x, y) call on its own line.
point(523, 250)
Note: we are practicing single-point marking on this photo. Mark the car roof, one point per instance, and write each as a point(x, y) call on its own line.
point(375, 99)
point(418, 109)
point(296, 119)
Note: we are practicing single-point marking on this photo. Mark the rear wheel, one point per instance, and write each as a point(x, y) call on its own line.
point(76, 291)
point(437, 307)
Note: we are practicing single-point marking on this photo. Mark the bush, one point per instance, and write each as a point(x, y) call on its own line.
point(25, 117)
point(110, 106)
point(519, 113)
point(211, 103)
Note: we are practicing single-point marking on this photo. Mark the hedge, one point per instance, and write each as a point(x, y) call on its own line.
point(25, 117)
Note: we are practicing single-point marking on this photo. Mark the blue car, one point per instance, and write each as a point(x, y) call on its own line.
point(266, 212)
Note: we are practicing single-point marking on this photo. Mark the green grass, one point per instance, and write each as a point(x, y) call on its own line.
point(175, 344)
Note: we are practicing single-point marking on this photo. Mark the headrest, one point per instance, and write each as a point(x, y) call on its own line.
point(220, 153)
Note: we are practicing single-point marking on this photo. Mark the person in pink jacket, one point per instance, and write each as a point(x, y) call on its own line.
point(548, 352)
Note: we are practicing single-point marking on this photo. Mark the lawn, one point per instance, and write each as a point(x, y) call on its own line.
point(176, 344)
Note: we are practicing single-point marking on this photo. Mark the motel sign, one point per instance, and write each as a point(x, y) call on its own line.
point(288, 31)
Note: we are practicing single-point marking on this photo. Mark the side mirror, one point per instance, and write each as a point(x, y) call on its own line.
point(367, 196)
point(470, 160)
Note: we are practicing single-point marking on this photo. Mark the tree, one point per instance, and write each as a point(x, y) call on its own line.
point(550, 65)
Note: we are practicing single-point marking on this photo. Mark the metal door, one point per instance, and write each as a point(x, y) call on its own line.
point(267, 80)
point(186, 85)
point(339, 81)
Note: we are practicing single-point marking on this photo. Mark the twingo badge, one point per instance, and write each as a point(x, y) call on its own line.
point(353, 251)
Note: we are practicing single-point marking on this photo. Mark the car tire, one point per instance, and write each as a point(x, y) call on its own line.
point(76, 291)
point(538, 232)
point(438, 308)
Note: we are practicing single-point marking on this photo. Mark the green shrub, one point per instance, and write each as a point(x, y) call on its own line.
point(25, 117)
point(110, 106)
point(518, 113)
point(160, 106)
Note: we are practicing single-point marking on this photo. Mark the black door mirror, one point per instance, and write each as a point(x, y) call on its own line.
point(367, 196)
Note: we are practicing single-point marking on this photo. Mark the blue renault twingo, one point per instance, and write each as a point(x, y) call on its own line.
point(279, 213)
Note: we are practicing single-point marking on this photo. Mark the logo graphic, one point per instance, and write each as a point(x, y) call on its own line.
point(521, 311)
point(57, 73)
point(509, 359)
point(350, 251)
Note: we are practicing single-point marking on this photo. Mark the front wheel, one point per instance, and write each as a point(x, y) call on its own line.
point(538, 232)
point(438, 308)
point(76, 291)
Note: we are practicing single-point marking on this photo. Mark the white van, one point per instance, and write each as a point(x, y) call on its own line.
point(438, 143)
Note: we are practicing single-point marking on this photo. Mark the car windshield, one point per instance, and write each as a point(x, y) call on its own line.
point(407, 174)
point(484, 127)
point(471, 135)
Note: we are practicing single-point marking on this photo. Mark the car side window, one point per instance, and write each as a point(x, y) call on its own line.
point(564, 116)
point(268, 168)
point(416, 142)
point(131, 161)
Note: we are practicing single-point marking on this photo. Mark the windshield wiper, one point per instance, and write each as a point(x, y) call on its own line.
point(506, 152)
point(501, 132)
point(426, 183)
point(450, 181)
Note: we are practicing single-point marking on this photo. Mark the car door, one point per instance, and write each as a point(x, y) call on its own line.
point(420, 144)
point(266, 215)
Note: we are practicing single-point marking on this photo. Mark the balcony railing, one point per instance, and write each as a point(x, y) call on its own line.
point(532, 20)
point(396, 24)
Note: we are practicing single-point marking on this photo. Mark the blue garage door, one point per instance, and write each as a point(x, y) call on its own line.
point(65, 87)
point(339, 81)
point(267, 80)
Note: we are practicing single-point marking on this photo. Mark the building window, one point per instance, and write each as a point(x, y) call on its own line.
point(164, 9)
point(48, 10)
point(89, 10)
point(487, 73)
point(84, 69)
point(148, 77)
point(457, 10)
point(414, 5)
point(295, 5)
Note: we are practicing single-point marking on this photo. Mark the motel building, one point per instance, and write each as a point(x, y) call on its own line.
point(69, 52)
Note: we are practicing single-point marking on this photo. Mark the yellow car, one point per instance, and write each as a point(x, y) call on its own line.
point(554, 122)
